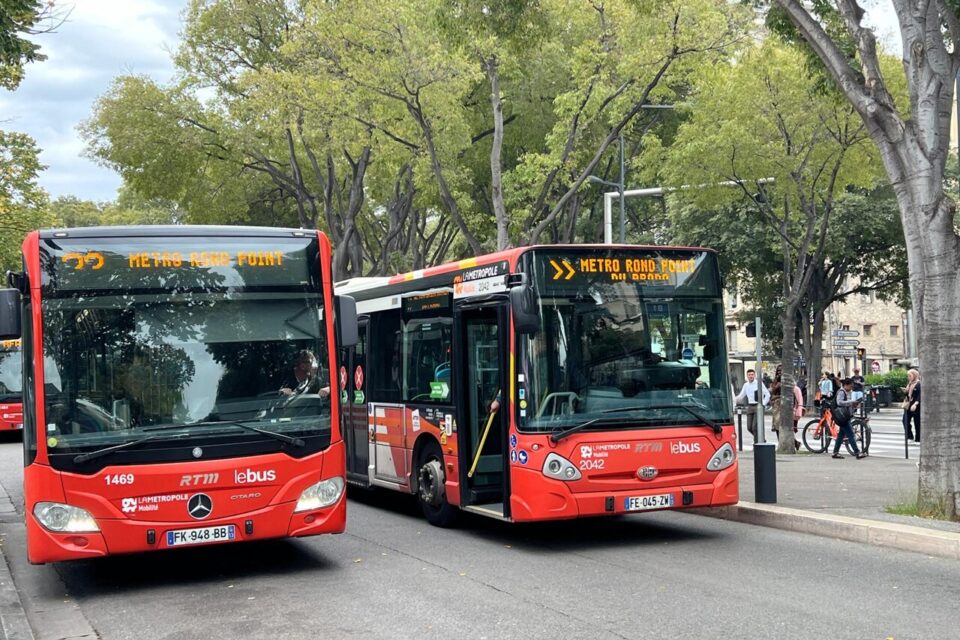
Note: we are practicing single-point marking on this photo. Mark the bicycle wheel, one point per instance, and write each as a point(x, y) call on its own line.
point(861, 431)
point(813, 441)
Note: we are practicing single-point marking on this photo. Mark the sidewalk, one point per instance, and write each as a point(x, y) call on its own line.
point(13, 620)
point(844, 499)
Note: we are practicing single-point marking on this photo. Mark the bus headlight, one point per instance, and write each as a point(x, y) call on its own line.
point(320, 495)
point(560, 468)
point(723, 458)
point(62, 518)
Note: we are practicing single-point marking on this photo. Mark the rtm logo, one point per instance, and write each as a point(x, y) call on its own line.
point(198, 479)
point(249, 476)
point(648, 447)
point(684, 447)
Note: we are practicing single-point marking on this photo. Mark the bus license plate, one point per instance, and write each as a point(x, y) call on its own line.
point(222, 533)
point(642, 503)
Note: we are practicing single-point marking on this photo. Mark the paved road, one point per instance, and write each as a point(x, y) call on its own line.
point(393, 576)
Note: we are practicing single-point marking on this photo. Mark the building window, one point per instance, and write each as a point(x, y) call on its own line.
point(867, 297)
point(894, 330)
point(867, 328)
point(731, 337)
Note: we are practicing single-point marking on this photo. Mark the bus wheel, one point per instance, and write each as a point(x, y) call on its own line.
point(431, 490)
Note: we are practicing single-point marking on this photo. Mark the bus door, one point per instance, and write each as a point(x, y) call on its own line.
point(481, 347)
point(352, 384)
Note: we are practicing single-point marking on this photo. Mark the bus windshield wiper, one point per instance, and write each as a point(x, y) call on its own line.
point(99, 453)
point(559, 435)
point(297, 442)
point(696, 414)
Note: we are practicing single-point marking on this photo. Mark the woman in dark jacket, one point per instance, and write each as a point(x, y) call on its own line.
point(911, 405)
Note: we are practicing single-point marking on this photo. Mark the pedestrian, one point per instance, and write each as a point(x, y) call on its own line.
point(797, 413)
point(748, 396)
point(845, 406)
point(911, 405)
point(775, 387)
point(826, 392)
point(857, 384)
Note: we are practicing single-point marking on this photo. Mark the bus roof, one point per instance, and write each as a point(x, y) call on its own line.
point(173, 230)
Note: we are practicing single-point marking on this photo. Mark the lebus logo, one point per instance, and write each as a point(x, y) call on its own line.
point(684, 447)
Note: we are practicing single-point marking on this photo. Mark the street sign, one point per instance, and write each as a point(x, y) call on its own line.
point(837, 342)
point(845, 350)
point(844, 333)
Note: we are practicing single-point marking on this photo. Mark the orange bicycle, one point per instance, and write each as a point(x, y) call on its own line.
point(819, 433)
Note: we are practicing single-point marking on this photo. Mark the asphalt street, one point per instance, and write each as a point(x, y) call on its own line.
point(657, 575)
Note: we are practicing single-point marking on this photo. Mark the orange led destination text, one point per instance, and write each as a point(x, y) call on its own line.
point(637, 268)
point(203, 259)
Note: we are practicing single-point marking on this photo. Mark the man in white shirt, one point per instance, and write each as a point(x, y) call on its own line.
point(748, 396)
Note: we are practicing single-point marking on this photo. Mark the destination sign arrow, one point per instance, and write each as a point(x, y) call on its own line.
point(837, 342)
point(844, 349)
point(566, 274)
point(845, 333)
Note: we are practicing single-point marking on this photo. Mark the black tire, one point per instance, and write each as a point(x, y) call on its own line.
point(862, 432)
point(431, 491)
point(813, 443)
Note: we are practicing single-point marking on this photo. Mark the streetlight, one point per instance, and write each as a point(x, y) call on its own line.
point(619, 187)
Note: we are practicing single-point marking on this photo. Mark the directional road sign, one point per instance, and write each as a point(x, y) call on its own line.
point(842, 350)
point(844, 333)
point(840, 342)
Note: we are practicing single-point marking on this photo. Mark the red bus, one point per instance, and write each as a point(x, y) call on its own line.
point(11, 381)
point(159, 410)
point(607, 363)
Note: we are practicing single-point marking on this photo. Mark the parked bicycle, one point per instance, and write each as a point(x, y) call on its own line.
point(819, 433)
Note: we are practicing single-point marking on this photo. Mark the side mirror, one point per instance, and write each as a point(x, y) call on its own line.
point(348, 334)
point(9, 314)
point(526, 316)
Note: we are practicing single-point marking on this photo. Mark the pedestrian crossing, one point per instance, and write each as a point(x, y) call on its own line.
point(890, 445)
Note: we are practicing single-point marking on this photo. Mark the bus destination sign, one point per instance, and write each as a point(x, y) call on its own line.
point(151, 263)
point(671, 268)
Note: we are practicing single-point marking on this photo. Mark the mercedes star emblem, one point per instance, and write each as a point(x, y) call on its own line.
point(199, 506)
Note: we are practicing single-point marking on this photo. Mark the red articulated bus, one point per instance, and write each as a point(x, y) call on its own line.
point(543, 383)
point(11, 381)
point(175, 387)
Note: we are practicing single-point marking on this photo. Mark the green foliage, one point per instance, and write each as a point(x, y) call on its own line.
point(17, 18)
point(22, 201)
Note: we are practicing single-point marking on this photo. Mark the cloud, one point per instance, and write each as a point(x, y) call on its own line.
point(100, 40)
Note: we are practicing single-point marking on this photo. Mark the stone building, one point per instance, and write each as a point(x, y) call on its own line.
point(882, 329)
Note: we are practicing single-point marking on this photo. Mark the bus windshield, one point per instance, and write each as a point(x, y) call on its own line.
point(121, 362)
point(11, 371)
point(625, 339)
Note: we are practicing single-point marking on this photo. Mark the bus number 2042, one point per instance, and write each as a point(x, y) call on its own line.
point(119, 478)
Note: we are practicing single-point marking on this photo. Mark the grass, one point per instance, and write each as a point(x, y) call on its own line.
point(935, 511)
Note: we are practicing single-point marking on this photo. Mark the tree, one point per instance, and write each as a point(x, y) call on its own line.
point(811, 144)
point(19, 18)
point(22, 201)
point(913, 141)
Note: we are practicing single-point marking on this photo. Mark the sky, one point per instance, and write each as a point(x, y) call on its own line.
point(106, 38)
point(100, 40)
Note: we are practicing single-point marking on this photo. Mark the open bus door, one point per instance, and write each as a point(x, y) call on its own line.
point(353, 367)
point(481, 350)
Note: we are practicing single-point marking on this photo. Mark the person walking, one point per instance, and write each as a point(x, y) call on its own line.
point(797, 413)
point(748, 396)
point(911, 405)
point(846, 405)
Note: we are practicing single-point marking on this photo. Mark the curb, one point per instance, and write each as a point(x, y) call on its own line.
point(13, 619)
point(943, 544)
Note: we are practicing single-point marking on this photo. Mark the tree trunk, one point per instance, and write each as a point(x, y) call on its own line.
point(496, 177)
point(787, 381)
